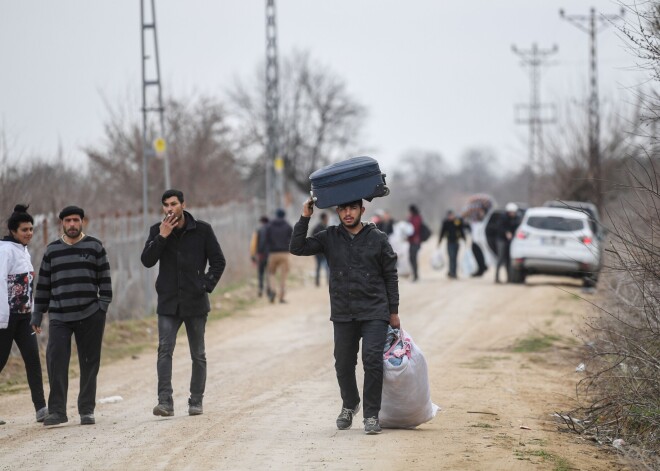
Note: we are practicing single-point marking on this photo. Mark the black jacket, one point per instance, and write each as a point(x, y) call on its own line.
point(452, 229)
point(182, 281)
point(507, 224)
point(364, 283)
point(278, 235)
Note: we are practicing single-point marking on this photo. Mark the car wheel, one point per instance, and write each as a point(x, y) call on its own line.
point(518, 275)
point(589, 282)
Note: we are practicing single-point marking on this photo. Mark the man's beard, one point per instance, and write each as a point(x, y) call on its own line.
point(356, 222)
point(73, 233)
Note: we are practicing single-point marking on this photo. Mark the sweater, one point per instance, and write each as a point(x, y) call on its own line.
point(16, 280)
point(74, 281)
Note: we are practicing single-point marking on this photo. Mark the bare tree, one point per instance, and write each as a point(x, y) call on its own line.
point(319, 121)
point(201, 162)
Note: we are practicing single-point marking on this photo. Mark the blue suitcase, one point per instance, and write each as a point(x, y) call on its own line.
point(348, 180)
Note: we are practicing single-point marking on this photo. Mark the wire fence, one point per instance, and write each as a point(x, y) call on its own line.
point(124, 236)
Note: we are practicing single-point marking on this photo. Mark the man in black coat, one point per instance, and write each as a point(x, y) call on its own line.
point(278, 236)
point(452, 228)
point(506, 229)
point(182, 246)
point(364, 299)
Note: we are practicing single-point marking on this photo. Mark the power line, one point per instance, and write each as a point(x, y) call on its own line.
point(592, 24)
point(534, 58)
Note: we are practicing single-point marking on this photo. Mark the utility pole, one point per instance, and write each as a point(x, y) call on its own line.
point(592, 25)
point(534, 58)
point(274, 165)
point(157, 147)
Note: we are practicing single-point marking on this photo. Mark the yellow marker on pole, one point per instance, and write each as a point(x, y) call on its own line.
point(160, 146)
point(278, 163)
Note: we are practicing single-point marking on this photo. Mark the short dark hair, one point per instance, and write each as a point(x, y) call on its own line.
point(350, 203)
point(169, 193)
point(324, 216)
point(19, 215)
point(263, 219)
point(413, 209)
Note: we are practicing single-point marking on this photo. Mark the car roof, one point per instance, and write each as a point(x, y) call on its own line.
point(545, 211)
point(571, 204)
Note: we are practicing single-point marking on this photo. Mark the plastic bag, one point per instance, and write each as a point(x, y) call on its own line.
point(437, 259)
point(468, 262)
point(406, 401)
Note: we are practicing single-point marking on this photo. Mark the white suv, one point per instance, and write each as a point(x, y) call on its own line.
point(555, 241)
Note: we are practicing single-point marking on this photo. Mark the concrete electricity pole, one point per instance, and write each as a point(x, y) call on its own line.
point(592, 24)
point(274, 163)
point(534, 58)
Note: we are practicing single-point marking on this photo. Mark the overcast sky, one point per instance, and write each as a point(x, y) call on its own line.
point(434, 75)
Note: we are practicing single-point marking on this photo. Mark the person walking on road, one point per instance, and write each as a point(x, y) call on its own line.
point(182, 246)
point(415, 240)
point(506, 228)
point(75, 288)
point(321, 262)
point(259, 254)
point(278, 236)
point(16, 299)
point(452, 228)
point(364, 299)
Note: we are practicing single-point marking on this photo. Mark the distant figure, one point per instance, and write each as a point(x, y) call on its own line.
point(75, 288)
point(476, 250)
point(16, 300)
point(452, 228)
point(278, 237)
point(385, 222)
point(415, 240)
point(321, 261)
point(505, 229)
point(259, 253)
point(183, 247)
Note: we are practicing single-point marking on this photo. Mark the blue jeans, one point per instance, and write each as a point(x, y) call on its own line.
point(347, 344)
point(168, 327)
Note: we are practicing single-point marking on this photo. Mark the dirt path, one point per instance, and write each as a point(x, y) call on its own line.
point(272, 396)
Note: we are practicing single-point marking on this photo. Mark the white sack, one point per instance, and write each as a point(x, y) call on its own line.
point(406, 401)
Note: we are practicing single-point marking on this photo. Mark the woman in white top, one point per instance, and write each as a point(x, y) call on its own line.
point(16, 295)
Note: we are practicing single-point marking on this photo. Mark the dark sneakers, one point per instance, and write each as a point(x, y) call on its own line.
point(54, 418)
point(87, 419)
point(195, 407)
point(345, 418)
point(372, 426)
point(164, 409)
point(41, 414)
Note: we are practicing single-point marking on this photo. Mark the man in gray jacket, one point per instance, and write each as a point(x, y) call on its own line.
point(364, 299)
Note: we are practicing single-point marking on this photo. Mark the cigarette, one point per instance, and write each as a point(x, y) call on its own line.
point(33, 333)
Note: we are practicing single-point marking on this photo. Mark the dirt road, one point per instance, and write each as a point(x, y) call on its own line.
point(272, 397)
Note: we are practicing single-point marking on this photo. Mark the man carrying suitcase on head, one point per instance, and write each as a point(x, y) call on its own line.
point(364, 299)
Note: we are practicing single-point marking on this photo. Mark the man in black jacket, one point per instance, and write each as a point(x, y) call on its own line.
point(278, 236)
point(506, 229)
point(183, 246)
point(452, 228)
point(364, 299)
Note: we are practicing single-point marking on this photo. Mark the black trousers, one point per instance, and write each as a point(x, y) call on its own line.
point(479, 257)
point(88, 333)
point(19, 331)
point(412, 255)
point(347, 344)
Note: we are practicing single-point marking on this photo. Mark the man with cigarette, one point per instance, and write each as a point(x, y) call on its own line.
point(183, 246)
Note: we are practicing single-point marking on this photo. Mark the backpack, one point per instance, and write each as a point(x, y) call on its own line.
point(424, 233)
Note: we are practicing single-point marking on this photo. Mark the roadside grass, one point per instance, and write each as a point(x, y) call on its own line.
point(483, 362)
point(131, 337)
point(560, 464)
point(535, 343)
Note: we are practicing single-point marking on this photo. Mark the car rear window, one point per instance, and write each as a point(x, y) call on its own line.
point(555, 223)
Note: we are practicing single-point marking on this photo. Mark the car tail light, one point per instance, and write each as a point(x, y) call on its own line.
point(586, 240)
point(521, 235)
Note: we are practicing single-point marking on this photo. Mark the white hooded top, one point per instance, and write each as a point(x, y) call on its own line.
point(16, 277)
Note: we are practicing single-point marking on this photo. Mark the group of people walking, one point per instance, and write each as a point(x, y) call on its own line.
point(74, 287)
